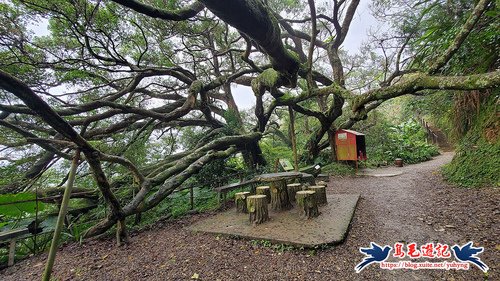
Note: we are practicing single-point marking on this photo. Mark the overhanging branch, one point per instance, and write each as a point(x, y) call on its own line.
point(177, 15)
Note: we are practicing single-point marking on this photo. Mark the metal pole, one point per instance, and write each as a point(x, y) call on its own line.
point(60, 219)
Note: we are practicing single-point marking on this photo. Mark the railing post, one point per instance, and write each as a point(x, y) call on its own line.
point(12, 252)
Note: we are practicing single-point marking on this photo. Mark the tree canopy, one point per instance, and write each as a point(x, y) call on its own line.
point(120, 81)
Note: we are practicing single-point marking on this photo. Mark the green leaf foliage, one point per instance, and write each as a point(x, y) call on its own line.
point(477, 161)
point(386, 141)
point(19, 205)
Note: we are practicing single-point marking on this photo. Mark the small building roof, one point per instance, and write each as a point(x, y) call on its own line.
point(352, 132)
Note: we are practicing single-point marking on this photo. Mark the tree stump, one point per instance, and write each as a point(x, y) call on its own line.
point(323, 177)
point(306, 202)
point(279, 196)
point(307, 179)
point(264, 190)
point(320, 194)
point(257, 207)
point(292, 189)
point(321, 183)
point(240, 200)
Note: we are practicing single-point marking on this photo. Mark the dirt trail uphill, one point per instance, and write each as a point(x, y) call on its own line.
point(416, 206)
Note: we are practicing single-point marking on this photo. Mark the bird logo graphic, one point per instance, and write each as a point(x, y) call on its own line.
point(467, 253)
point(373, 254)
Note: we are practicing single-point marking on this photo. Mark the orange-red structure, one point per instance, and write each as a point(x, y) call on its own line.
point(350, 145)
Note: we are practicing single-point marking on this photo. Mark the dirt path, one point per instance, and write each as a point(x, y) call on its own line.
point(414, 207)
point(442, 140)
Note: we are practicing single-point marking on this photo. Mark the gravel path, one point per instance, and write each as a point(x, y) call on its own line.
point(414, 207)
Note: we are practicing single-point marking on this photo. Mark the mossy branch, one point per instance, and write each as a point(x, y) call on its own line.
point(413, 83)
point(174, 15)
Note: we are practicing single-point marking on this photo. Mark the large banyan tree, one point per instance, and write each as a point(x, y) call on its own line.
point(111, 74)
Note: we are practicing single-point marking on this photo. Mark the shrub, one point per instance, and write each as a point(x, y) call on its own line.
point(406, 140)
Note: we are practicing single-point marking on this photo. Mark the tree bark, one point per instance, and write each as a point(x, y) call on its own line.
point(279, 196)
point(415, 82)
point(257, 207)
point(121, 233)
point(240, 200)
point(306, 202)
point(292, 190)
point(264, 190)
point(321, 183)
point(255, 152)
point(256, 20)
point(319, 193)
point(173, 15)
point(312, 146)
point(307, 180)
point(331, 142)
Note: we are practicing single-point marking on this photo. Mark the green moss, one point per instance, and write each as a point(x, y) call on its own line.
point(196, 86)
point(269, 77)
point(286, 98)
point(294, 55)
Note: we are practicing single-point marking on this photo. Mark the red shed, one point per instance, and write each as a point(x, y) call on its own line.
point(350, 145)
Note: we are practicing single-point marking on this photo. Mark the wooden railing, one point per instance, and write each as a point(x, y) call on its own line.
point(431, 135)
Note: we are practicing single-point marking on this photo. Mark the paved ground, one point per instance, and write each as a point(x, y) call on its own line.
point(414, 207)
point(390, 171)
point(288, 227)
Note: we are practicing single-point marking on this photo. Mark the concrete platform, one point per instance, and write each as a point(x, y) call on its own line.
point(286, 227)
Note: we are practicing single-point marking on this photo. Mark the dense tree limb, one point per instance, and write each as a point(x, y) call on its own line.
point(254, 19)
point(35, 103)
point(178, 15)
point(420, 81)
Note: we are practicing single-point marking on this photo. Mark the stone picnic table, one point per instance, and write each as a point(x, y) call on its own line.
point(277, 184)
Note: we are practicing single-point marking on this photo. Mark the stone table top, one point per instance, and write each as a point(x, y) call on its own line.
point(279, 176)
